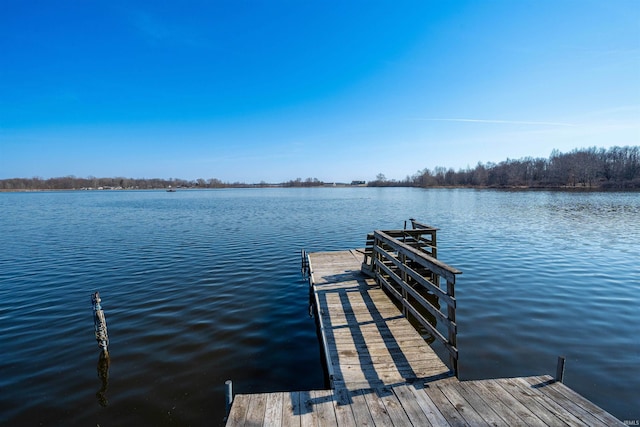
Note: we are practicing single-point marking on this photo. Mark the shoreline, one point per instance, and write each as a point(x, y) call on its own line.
point(598, 189)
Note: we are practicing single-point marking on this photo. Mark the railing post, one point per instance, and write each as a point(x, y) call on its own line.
point(375, 257)
point(403, 276)
point(434, 244)
point(451, 315)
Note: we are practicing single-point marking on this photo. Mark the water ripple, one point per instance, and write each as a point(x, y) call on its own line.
point(203, 286)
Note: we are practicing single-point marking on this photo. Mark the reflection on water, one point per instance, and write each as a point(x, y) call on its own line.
point(103, 373)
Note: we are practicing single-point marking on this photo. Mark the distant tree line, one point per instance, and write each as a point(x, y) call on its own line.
point(298, 182)
point(120, 183)
point(93, 183)
point(613, 168)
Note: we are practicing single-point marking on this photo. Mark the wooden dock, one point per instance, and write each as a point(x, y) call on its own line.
point(369, 342)
point(383, 373)
point(528, 401)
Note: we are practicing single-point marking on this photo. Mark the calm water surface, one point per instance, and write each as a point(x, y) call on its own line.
point(203, 286)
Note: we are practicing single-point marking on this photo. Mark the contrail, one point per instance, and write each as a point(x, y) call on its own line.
point(508, 122)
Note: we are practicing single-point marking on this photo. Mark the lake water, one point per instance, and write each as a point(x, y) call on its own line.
point(203, 286)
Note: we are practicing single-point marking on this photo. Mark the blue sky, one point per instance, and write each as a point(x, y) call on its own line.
point(275, 90)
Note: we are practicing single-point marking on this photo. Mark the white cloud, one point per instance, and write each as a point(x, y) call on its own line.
point(506, 122)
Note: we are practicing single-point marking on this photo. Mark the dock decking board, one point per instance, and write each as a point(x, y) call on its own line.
point(366, 333)
point(385, 374)
point(446, 402)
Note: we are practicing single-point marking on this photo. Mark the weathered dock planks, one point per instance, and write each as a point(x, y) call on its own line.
point(529, 401)
point(384, 373)
point(369, 342)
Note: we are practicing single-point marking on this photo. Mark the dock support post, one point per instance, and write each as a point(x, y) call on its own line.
point(100, 323)
point(304, 264)
point(228, 387)
point(560, 369)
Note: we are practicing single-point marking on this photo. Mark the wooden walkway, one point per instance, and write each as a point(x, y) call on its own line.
point(384, 374)
point(368, 340)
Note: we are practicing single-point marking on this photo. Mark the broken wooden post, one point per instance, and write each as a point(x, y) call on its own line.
point(100, 323)
point(560, 369)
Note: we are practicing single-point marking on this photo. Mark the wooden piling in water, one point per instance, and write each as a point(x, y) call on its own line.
point(100, 323)
point(560, 369)
point(228, 395)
